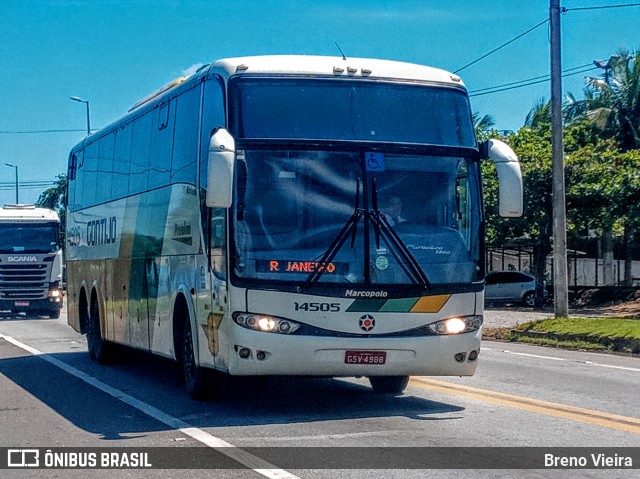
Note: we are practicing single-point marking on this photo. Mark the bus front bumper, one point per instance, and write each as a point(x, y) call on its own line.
point(256, 353)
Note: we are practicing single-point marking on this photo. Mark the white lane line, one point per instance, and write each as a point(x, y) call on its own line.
point(506, 351)
point(553, 358)
point(220, 445)
point(624, 368)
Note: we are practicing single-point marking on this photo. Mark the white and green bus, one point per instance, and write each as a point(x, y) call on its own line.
point(288, 215)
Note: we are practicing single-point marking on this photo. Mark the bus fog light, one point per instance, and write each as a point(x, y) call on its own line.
point(244, 353)
point(261, 355)
point(473, 355)
point(459, 357)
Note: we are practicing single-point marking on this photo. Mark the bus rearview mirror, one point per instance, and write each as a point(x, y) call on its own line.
point(510, 189)
point(222, 154)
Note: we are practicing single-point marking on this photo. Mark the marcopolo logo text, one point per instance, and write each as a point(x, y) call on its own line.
point(352, 293)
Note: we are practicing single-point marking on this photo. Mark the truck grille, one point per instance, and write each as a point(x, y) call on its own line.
point(23, 281)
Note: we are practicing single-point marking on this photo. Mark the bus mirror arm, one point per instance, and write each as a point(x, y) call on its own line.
point(220, 166)
point(510, 189)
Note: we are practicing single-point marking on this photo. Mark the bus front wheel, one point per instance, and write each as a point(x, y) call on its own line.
point(193, 374)
point(389, 384)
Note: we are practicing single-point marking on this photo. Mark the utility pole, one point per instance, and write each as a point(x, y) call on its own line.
point(560, 274)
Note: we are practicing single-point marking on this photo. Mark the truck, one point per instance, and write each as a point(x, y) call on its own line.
point(31, 261)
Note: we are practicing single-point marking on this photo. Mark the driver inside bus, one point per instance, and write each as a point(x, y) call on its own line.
point(393, 211)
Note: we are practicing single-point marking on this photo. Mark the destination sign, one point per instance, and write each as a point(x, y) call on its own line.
point(292, 266)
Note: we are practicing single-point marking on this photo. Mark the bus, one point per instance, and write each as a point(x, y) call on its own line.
point(288, 215)
point(31, 266)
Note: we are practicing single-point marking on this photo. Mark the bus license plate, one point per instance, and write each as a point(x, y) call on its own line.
point(22, 303)
point(365, 357)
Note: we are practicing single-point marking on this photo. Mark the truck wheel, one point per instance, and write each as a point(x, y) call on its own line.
point(193, 374)
point(98, 347)
point(389, 384)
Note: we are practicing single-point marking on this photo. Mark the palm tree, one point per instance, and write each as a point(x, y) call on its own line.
point(482, 125)
point(539, 115)
point(612, 103)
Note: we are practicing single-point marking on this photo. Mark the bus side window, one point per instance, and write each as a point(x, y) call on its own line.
point(104, 169)
point(218, 246)
point(184, 163)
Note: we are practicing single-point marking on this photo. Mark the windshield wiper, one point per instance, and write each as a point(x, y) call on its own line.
point(399, 250)
point(350, 227)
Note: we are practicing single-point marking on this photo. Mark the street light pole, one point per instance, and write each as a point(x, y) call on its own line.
point(14, 166)
point(86, 102)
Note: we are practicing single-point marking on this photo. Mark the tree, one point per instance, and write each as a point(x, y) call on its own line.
point(612, 106)
point(482, 125)
point(55, 198)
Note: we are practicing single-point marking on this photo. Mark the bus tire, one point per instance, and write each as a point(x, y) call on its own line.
point(192, 374)
point(389, 384)
point(97, 345)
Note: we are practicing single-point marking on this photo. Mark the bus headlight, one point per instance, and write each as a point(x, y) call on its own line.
point(265, 323)
point(463, 324)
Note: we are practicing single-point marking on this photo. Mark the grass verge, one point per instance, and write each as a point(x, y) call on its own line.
point(602, 334)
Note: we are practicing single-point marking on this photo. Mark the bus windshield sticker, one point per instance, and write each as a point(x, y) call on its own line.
point(375, 161)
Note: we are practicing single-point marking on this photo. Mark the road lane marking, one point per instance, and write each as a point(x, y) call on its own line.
point(555, 358)
point(613, 421)
point(538, 356)
point(220, 445)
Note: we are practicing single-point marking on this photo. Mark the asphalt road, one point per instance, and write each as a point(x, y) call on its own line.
point(524, 397)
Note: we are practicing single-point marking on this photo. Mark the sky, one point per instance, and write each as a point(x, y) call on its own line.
point(114, 52)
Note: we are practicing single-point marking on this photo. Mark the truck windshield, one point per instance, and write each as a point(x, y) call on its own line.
point(350, 110)
point(24, 237)
point(291, 207)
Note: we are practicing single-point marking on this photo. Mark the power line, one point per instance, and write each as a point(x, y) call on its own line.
point(546, 20)
point(602, 7)
point(28, 132)
point(26, 185)
point(531, 81)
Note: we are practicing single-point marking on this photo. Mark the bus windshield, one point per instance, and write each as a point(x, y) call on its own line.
point(291, 207)
point(29, 237)
point(350, 110)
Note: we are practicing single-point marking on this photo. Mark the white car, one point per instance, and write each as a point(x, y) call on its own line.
point(515, 286)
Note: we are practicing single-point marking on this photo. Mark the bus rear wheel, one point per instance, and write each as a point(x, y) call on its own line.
point(193, 374)
point(389, 384)
point(97, 345)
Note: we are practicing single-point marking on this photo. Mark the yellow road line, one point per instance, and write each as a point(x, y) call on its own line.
point(613, 421)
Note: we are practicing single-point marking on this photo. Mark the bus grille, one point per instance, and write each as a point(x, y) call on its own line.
point(23, 281)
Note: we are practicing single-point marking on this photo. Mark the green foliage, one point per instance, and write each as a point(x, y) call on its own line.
point(602, 163)
point(601, 327)
point(55, 198)
point(612, 103)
